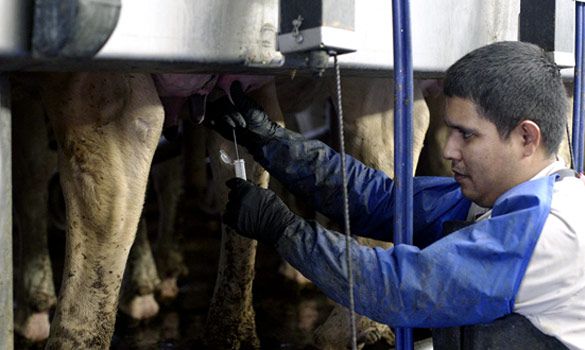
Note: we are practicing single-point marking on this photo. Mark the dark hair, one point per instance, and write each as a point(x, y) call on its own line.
point(510, 82)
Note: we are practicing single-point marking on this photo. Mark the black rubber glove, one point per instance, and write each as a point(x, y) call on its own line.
point(256, 213)
point(253, 127)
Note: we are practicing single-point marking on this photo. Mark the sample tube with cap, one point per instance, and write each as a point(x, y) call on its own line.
point(239, 164)
point(240, 168)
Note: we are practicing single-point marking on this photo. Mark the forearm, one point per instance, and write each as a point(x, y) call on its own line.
point(312, 170)
point(402, 286)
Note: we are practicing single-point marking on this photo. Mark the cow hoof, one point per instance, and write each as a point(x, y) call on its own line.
point(168, 289)
point(141, 307)
point(171, 326)
point(35, 328)
point(332, 335)
point(291, 274)
point(374, 334)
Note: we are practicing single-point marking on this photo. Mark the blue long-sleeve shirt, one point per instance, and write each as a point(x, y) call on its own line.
point(466, 277)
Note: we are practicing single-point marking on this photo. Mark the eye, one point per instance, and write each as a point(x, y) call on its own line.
point(466, 134)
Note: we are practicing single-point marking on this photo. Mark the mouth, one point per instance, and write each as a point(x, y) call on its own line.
point(458, 176)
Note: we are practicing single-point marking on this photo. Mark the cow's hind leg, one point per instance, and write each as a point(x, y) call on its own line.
point(168, 181)
point(33, 164)
point(230, 323)
point(140, 279)
point(107, 127)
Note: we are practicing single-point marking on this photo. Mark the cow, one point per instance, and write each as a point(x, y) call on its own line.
point(107, 126)
point(39, 203)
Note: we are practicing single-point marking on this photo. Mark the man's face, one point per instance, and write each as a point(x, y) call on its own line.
point(483, 164)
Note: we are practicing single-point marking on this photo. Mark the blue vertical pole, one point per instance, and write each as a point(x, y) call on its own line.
point(403, 135)
point(578, 110)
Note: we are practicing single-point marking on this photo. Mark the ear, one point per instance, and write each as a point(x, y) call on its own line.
point(530, 137)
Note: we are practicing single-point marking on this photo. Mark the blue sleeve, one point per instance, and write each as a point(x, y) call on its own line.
point(470, 276)
point(311, 170)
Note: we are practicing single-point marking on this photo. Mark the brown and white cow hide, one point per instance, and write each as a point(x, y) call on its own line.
point(39, 200)
point(432, 162)
point(168, 180)
point(107, 126)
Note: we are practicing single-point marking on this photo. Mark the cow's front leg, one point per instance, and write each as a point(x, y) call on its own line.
point(107, 127)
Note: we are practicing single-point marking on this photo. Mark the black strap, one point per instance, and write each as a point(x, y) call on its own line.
point(512, 331)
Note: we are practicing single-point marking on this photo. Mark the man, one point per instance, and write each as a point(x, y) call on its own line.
point(513, 278)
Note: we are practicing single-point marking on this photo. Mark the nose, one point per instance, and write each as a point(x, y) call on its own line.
point(451, 149)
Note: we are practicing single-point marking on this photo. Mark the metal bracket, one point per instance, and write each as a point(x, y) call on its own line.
point(296, 23)
point(550, 25)
point(307, 25)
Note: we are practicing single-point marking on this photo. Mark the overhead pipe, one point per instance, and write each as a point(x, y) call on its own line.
point(578, 111)
point(403, 136)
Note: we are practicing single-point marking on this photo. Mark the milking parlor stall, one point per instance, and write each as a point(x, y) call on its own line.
point(212, 42)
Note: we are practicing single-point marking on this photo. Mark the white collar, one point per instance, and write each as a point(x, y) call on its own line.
point(549, 169)
point(478, 213)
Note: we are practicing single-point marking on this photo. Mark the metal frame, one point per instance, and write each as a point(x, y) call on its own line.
point(579, 76)
point(6, 313)
point(403, 138)
point(241, 36)
point(176, 45)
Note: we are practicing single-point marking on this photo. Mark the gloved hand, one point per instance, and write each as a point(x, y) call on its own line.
point(253, 127)
point(256, 213)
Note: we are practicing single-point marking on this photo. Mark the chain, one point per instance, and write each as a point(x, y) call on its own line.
point(345, 205)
